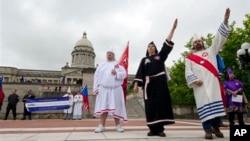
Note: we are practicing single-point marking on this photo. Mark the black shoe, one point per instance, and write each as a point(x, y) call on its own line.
point(5, 119)
point(151, 134)
point(23, 119)
point(162, 134)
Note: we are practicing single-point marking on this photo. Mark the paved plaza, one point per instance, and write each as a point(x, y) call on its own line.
point(83, 130)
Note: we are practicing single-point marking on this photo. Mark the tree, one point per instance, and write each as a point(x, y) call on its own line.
point(180, 93)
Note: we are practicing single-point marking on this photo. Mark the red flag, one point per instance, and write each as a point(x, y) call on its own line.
point(1, 92)
point(124, 62)
point(85, 95)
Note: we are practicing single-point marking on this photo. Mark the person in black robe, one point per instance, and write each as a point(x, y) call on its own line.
point(152, 77)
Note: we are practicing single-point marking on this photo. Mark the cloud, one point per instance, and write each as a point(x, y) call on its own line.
point(41, 34)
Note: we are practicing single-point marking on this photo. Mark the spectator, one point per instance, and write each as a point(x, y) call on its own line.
point(12, 102)
point(29, 95)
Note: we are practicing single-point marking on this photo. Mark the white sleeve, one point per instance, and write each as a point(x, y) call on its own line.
point(96, 81)
point(220, 38)
point(189, 75)
point(121, 73)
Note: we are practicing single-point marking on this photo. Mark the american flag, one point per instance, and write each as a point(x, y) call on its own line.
point(85, 94)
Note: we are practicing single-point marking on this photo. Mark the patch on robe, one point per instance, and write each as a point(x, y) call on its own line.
point(157, 57)
point(204, 54)
point(147, 61)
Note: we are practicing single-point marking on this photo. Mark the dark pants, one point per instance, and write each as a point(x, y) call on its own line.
point(156, 128)
point(26, 113)
point(1, 106)
point(13, 108)
point(231, 118)
point(212, 123)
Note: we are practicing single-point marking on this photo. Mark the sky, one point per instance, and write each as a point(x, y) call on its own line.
point(41, 34)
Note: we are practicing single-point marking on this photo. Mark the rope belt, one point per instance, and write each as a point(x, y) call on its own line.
point(147, 82)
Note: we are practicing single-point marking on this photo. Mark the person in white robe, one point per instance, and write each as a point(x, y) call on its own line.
point(108, 79)
point(78, 103)
point(68, 112)
point(202, 75)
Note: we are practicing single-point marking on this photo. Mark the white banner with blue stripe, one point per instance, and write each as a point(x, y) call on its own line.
point(47, 104)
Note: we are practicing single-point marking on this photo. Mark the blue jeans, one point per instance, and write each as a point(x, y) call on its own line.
point(209, 124)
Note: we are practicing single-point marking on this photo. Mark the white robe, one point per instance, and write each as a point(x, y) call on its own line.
point(78, 102)
point(108, 90)
point(69, 111)
point(208, 96)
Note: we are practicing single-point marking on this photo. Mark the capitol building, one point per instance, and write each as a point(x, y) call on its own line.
point(76, 75)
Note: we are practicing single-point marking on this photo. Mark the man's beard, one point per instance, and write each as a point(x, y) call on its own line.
point(199, 47)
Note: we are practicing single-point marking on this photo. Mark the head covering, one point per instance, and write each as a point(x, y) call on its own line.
point(68, 91)
point(196, 37)
point(111, 49)
point(152, 43)
point(229, 71)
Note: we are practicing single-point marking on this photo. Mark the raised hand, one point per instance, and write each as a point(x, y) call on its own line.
point(170, 35)
point(175, 23)
point(226, 16)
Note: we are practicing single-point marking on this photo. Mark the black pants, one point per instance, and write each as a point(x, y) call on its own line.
point(10, 107)
point(231, 118)
point(26, 113)
point(1, 106)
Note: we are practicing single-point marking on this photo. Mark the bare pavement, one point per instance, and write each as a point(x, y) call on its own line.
point(83, 130)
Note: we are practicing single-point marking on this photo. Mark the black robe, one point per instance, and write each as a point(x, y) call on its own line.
point(158, 107)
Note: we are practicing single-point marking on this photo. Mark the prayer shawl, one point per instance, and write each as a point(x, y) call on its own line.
point(202, 67)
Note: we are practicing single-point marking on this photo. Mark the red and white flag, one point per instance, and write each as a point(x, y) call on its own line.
point(124, 62)
point(85, 97)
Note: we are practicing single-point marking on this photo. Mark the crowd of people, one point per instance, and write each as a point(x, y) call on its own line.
point(213, 99)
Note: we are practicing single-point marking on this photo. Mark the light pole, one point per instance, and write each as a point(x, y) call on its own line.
point(244, 57)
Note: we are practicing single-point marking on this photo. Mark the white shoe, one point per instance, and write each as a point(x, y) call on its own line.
point(99, 129)
point(119, 128)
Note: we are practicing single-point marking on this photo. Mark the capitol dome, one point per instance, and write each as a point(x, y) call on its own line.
point(83, 55)
point(84, 41)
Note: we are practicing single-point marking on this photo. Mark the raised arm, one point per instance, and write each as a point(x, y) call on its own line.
point(222, 34)
point(226, 16)
point(170, 35)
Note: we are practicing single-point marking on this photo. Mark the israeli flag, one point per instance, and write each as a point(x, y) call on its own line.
point(47, 104)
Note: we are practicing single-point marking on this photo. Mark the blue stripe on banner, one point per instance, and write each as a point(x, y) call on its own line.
point(48, 108)
point(47, 99)
point(46, 104)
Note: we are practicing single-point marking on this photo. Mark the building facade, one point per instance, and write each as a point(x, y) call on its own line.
point(80, 71)
point(82, 64)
